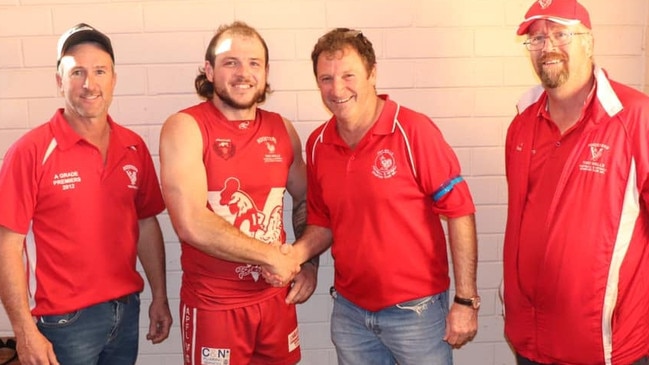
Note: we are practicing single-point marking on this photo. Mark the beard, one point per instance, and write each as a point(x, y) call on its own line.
point(229, 101)
point(552, 79)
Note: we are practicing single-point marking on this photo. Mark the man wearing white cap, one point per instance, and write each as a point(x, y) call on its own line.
point(576, 255)
point(80, 198)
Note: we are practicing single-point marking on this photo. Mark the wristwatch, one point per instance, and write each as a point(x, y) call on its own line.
point(473, 302)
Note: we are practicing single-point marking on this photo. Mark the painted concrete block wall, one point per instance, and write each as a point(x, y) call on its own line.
point(457, 61)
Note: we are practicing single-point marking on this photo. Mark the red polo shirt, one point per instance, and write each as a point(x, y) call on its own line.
point(382, 201)
point(83, 213)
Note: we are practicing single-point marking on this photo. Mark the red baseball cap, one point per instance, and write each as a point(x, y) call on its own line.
point(566, 12)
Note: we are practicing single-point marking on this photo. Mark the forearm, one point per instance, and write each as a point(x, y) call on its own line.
point(464, 253)
point(313, 242)
point(151, 252)
point(216, 237)
point(13, 283)
point(299, 225)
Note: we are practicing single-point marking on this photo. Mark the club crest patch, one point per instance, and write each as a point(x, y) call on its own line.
point(385, 166)
point(224, 148)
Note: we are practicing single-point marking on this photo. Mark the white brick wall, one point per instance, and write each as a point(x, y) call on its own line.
point(458, 61)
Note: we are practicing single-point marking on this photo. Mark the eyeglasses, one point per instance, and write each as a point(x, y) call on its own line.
point(537, 42)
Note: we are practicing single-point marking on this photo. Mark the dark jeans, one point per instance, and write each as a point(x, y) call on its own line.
point(103, 334)
point(520, 360)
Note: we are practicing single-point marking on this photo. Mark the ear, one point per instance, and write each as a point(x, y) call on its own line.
point(59, 82)
point(209, 71)
point(372, 75)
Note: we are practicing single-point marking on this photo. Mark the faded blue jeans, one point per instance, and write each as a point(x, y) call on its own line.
point(102, 334)
point(410, 333)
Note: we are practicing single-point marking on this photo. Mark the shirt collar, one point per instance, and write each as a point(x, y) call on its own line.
point(385, 124)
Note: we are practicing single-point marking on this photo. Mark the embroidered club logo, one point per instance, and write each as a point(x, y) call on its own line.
point(595, 161)
point(271, 147)
point(131, 172)
point(545, 3)
point(224, 148)
point(385, 166)
point(270, 143)
point(596, 151)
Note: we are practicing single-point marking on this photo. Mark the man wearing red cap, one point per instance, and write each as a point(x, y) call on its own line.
point(576, 255)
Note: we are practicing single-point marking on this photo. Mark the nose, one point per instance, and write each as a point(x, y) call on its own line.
point(548, 45)
point(243, 69)
point(338, 85)
point(89, 80)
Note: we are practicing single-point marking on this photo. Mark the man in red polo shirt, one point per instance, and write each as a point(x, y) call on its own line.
point(79, 203)
point(576, 257)
point(379, 177)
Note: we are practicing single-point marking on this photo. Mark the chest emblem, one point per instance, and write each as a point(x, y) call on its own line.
point(67, 180)
point(224, 148)
point(131, 171)
point(385, 165)
point(270, 146)
point(595, 162)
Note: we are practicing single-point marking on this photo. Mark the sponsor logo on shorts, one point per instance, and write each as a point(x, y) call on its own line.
point(210, 356)
point(293, 340)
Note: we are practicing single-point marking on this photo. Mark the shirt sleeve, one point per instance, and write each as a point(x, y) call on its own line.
point(317, 212)
point(18, 187)
point(149, 200)
point(438, 171)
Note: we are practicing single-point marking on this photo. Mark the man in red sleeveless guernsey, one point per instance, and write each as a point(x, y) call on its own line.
point(86, 189)
point(225, 166)
point(576, 253)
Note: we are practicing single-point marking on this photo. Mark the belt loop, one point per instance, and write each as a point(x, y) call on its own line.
point(333, 292)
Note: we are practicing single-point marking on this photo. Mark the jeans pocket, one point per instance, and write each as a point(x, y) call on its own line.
point(59, 320)
point(417, 305)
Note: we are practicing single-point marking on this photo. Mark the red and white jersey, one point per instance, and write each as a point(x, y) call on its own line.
point(382, 201)
point(247, 164)
point(586, 302)
point(83, 214)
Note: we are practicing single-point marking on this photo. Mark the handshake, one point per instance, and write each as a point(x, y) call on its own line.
point(283, 264)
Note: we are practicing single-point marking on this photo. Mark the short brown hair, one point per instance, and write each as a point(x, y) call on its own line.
point(339, 38)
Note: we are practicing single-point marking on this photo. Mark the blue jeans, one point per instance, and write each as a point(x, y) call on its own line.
point(410, 333)
point(103, 334)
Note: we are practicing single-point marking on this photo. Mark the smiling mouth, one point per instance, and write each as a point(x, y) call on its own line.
point(552, 62)
point(342, 101)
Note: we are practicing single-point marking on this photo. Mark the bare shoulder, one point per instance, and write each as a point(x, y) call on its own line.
point(290, 128)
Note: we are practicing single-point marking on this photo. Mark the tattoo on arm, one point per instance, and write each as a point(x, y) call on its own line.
point(299, 218)
point(299, 224)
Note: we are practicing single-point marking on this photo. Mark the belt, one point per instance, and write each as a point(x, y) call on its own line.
point(123, 299)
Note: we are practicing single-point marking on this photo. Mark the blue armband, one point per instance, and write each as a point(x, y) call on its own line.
point(446, 187)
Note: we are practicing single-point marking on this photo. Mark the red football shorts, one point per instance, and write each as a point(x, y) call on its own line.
point(264, 333)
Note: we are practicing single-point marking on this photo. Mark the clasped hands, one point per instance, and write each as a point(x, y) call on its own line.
point(283, 266)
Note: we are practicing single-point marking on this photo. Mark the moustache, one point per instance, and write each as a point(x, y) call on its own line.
point(552, 56)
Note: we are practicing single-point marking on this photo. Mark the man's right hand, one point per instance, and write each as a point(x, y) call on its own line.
point(283, 267)
point(35, 349)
